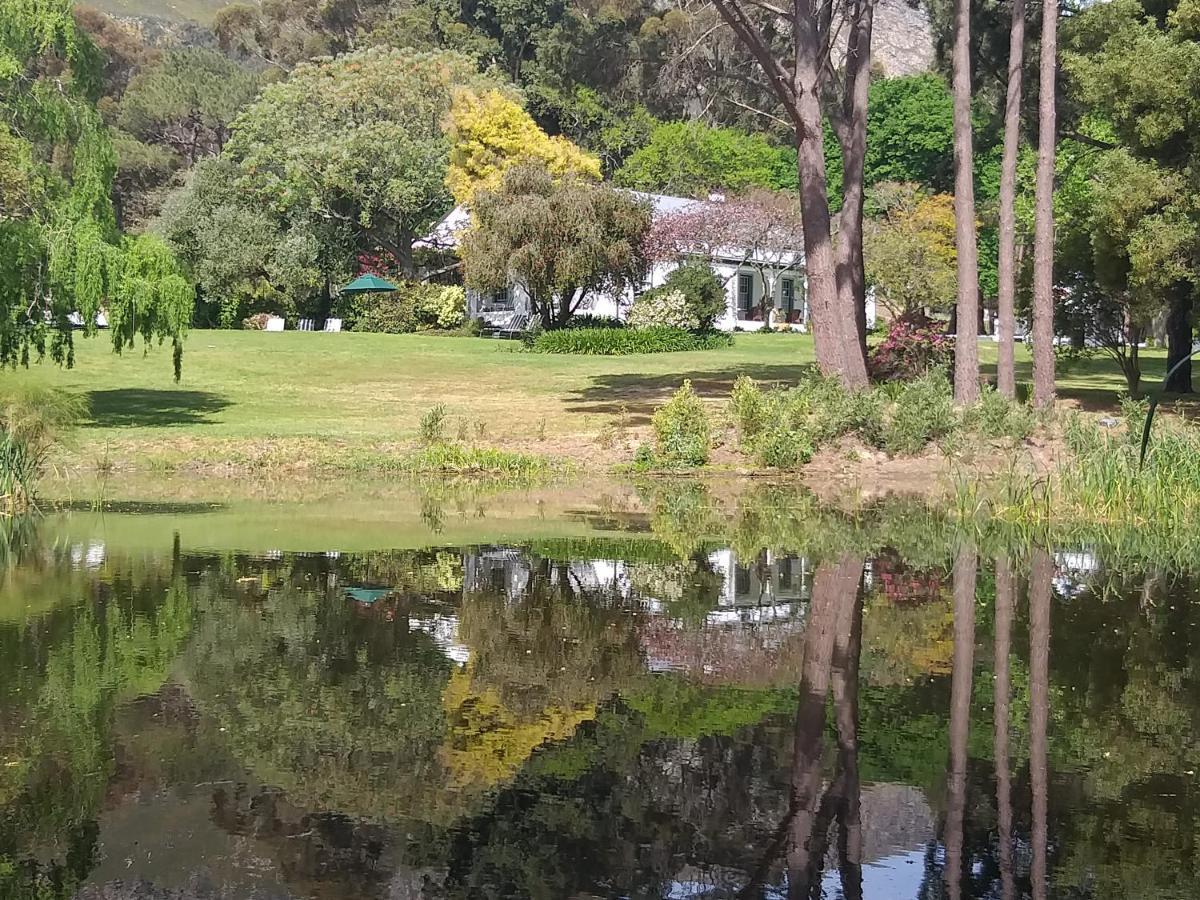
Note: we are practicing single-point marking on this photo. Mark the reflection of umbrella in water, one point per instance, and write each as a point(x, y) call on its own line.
point(367, 595)
point(368, 284)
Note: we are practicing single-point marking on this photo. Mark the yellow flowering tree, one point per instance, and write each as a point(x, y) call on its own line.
point(490, 132)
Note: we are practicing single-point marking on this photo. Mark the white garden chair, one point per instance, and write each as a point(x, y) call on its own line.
point(333, 326)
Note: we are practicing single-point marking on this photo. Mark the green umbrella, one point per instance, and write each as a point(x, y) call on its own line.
point(367, 284)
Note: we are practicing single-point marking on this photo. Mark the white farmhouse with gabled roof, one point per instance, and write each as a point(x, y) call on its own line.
point(774, 272)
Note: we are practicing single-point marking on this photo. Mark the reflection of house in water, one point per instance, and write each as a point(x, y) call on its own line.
point(769, 588)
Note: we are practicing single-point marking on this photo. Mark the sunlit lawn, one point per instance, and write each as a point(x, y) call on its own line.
point(370, 389)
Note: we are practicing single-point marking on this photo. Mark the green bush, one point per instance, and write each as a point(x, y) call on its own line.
point(703, 290)
point(919, 412)
point(682, 435)
point(663, 307)
point(749, 409)
point(995, 416)
point(414, 306)
point(625, 341)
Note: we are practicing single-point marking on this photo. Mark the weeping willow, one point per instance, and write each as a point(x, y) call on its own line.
point(60, 250)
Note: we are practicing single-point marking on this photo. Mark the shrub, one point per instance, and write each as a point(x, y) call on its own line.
point(32, 422)
point(995, 416)
point(624, 341)
point(414, 306)
point(920, 411)
point(702, 289)
point(256, 322)
point(663, 307)
point(587, 320)
point(749, 409)
point(432, 429)
point(682, 436)
point(913, 346)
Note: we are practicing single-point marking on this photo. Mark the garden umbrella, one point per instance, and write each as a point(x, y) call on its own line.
point(368, 284)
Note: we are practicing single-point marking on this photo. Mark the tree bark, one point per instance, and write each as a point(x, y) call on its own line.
point(1041, 573)
point(1006, 325)
point(797, 84)
point(960, 717)
point(1043, 223)
point(1001, 697)
point(852, 136)
point(966, 345)
point(1179, 339)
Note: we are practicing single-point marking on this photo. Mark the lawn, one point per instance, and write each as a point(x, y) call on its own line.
point(248, 395)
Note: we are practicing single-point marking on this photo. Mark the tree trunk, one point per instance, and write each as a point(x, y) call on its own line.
point(829, 329)
point(847, 655)
point(1179, 339)
point(1131, 362)
point(1041, 573)
point(1043, 223)
point(1006, 326)
point(966, 345)
point(961, 681)
point(852, 136)
point(1001, 695)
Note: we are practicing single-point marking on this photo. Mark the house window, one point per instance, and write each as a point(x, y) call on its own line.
point(745, 294)
point(787, 300)
point(499, 300)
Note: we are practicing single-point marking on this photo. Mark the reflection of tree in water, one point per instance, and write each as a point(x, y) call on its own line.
point(72, 668)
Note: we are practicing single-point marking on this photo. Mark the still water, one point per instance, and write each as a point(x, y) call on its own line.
point(601, 716)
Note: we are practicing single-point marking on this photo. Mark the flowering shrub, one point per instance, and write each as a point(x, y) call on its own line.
point(663, 307)
point(256, 322)
point(411, 307)
point(914, 345)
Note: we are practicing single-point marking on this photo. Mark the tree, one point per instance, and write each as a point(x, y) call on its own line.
point(1116, 58)
point(966, 348)
point(187, 101)
point(1043, 233)
point(797, 76)
point(694, 159)
point(490, 133)
point(356, 141)
point(1007, 256)
point(560, 239)
point(60, 251)
point(761, 228)
point(909, 247)
point(245, 258)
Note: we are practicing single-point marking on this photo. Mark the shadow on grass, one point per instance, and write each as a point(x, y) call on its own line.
point(637, 396)
point(132, 407)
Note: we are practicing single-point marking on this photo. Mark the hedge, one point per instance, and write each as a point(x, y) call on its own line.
point(626, 341)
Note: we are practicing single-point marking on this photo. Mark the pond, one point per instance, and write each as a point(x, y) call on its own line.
point(598, 700)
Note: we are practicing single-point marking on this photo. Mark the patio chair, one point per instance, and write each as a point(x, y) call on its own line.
point(516, 326)
point(496, 326)
point(332, 326)
point(304, 325)
point(274, 324)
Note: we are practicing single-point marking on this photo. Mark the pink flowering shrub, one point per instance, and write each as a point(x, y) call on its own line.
point(915, 344)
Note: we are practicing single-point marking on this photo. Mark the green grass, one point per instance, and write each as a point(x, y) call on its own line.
point(261, 401)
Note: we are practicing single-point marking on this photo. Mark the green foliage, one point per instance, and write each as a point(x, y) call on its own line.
point(32, 422)
point(910, 121)
point(562, 238)
point(682, 434)
point(692, 159)
point(626, 341)
point(662, 308)
point(414, 306)
point(702, 288)
point(919, 413)
point(60, 251)
point(432, 429)
point(995, 416)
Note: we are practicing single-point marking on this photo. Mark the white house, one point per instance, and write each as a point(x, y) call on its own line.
point(749, 275)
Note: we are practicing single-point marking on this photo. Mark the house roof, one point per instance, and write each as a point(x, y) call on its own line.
point(445, 234)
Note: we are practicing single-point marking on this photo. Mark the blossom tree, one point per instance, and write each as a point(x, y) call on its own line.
point(759, 230)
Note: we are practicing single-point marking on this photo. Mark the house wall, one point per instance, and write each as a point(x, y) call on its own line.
point(605, 305)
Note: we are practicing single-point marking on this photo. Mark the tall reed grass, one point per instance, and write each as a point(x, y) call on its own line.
point(32, 422)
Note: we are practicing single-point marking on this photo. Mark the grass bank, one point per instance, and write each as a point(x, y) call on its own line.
point(255, 402)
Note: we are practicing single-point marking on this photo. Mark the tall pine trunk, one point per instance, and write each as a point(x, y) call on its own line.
point(852, 136)
point(966, 346)
point(1043, 223)
point(1179, 339)
point(1006, 379)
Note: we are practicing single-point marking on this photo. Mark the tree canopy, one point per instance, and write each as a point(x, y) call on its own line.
point(60, 249)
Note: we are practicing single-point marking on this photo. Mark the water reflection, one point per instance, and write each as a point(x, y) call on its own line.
point(595, 718)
